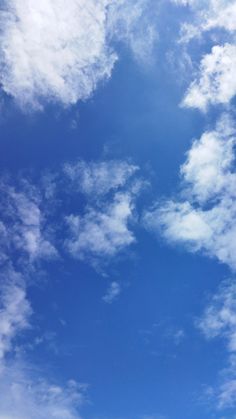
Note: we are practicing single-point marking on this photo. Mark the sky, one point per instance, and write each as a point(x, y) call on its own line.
point(117, 209)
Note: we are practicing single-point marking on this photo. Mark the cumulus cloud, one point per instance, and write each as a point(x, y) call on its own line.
point(216, 82)
point(26, 394)
point(58, 51)
point(112, 292)
point(54, 50)
point(205, 218)
point(208, 15)
point(101, 232)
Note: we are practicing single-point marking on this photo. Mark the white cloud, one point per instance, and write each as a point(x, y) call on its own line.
point(209, 165)
point(216, 83)
point(15, 311)
point(25, 394)
point(208, 15)
point(219, 318)
point(219, 321)
point(58, 50)
point(98, 178)
point(101, 232)
point(206, 219)
point(101, 228)
point(132, 22)
point(23, 223)
point(112, 292)
point(54, 50)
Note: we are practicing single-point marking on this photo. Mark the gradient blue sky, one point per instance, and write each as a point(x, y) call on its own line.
point(118, 209)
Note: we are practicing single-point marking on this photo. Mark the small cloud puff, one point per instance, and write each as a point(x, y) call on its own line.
point(112, 292)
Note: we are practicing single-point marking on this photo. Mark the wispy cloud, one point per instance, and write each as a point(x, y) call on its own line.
point(25, 393)
point(219, 321)
point(22, 222)
point(15, 312)
point(208, 15)
point(98, 178)
point(112, 293)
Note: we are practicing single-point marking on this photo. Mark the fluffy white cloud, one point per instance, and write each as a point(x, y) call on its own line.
point(24, 394)
point(206, 219)
point(54, 50)
point(58, 50)
point(216, 83)
point(101, 232)
point(112, 292)
point(209, 165)
point(102, 227)
point(98, 178)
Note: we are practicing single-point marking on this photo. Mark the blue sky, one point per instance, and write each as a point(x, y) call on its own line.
point(118, 209)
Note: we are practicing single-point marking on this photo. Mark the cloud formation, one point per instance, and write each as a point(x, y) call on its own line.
point(101, 232)
point(216, 80)
point(205, 218)
point(102, 228)
point(98, 178)
point(26, 394)
point(57, 51)
point(219, 321)
point(15, 312)
point(24, 244)
point(207, 16)
point(112, 292)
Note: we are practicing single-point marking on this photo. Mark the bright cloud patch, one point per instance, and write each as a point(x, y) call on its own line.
point(57, 50)
point(206, 220)
point(26, 395)
point(54, 50)
point(102, 228)
point(216, 83)
point(101, 232)
point(208, 15)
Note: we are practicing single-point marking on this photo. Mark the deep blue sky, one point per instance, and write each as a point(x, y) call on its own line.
point(142, 355)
